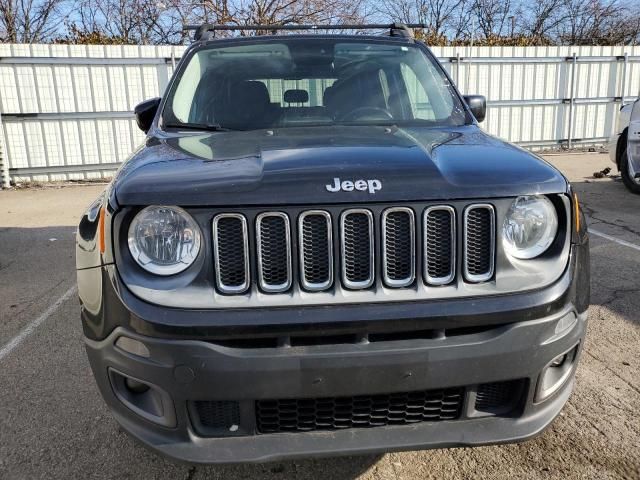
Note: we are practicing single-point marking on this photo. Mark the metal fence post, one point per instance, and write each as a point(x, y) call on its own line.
point(574, 63)
point(620, 98)
point(4, 160)
point(163, 78)
point(458, 69)
point(623, 83)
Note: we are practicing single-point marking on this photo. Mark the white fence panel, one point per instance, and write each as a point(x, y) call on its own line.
point(65, 110)
point(529, 90)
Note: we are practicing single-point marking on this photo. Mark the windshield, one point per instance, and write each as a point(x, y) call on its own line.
point(305, 82)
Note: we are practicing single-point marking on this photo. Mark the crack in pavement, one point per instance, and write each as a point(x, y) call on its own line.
point(588, 420)
point(6, 265)
point(604, 364)
point(29, 302)
point(591, 214)
point(617, 294)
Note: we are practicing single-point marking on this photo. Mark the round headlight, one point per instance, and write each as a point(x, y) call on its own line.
point(529, 227)
point(164, 240)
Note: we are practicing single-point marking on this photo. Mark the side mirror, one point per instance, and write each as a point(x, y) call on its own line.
point(145, 113)
point(478, 106)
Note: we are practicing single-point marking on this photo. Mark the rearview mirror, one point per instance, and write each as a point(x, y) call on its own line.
point(145, 113)
point(478, 106)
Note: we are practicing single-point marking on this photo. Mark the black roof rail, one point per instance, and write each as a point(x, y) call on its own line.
point(207, 31)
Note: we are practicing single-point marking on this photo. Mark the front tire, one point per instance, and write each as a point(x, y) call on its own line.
point(632, 184)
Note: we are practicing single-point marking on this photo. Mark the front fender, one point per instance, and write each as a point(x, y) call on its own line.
point(87, 241)
point(94, 250)
point(89, 253)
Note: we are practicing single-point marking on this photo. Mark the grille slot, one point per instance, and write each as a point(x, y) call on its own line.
point(316, 250)
point(364, 411)
point(479, 245)
point(398, 247)
point(213, 417)
point(500, 397)
point(439, 245)
point(231, 252)
point(274, 251)
point(356, 226)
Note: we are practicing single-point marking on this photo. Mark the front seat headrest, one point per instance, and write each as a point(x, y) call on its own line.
point(249, 93)
point(296, 96)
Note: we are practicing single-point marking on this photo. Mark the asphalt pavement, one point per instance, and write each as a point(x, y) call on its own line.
point(53, 423)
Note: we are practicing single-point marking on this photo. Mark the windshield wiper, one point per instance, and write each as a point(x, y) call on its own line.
point(209, 127)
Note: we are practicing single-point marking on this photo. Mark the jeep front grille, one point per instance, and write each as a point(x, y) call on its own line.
point(273, 241)
point(231, 252)
point(370, 248)
point(479, 243)
point(316, 250)
point(398, 247)
point(357, 257)
point(439, 245)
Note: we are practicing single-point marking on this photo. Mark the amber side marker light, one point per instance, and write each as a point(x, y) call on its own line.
point(576, 209)
point(101, 244)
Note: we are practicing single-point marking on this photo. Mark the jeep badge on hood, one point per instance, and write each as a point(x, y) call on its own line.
point(348, 185)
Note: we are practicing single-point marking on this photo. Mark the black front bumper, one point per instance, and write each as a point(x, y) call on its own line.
point(193, 370)
point(186, 368)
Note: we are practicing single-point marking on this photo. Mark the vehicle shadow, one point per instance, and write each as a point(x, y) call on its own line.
point(335, 468)
point(613, 210)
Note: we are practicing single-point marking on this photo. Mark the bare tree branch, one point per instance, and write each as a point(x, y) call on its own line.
point(29, 21)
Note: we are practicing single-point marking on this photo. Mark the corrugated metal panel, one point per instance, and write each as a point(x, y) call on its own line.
point(65, 106)
point(66, 109)
point(529, 89)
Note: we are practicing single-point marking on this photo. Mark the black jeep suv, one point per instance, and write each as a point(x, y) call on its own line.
point(317, 251)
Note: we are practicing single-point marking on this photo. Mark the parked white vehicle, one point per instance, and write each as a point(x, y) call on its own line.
point(624, 146)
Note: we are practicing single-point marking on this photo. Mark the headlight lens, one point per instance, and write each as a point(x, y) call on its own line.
point(530, 226)
point(164, 240)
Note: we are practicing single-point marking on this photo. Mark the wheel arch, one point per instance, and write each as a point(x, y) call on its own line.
point(621, 146)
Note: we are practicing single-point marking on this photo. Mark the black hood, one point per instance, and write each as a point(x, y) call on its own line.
point(294, 166)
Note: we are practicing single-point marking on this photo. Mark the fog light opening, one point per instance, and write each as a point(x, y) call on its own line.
point(558, 361)
point(134, 386)
point(145, 399)
point(555, 374)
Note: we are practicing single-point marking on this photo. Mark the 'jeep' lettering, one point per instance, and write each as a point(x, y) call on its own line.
point(348, 185)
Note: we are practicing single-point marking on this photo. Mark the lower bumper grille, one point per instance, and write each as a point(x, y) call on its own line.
point(334, 413)
point(215, 417)
point(500, 397)
point(222, 418)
